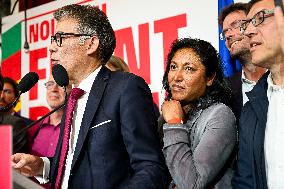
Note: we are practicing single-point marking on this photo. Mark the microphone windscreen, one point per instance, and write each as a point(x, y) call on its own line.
point(27, 82)
point(60, 75)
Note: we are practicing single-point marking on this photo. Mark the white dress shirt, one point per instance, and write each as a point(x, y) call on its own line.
point(247, 85)
point(79, 110)
point(274, 136)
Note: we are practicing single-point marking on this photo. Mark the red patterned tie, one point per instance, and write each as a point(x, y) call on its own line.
point(76, 93)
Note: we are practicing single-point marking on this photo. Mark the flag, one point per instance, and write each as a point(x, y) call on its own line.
point(229, 65)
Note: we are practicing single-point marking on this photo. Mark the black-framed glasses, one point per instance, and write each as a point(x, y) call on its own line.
point(233, 27)
point(257, 19)
point(57, 38)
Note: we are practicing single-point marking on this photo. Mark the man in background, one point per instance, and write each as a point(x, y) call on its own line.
point(19, 138)
point(9, 94)
point(43, 137)
point(230, 20)
point(260, 159)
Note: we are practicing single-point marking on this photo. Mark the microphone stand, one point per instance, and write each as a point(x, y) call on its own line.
point(35, 122)
point(3, 109)
point(39, 120)
point(45, 116)
point(39, 128)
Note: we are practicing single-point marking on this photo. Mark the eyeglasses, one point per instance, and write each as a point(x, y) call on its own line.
point(60, 35)
point(50, 84)
point(257, 19)
point(233, 27)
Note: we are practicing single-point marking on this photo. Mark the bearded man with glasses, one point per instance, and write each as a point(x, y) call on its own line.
point(261, 137)
point(230, 20)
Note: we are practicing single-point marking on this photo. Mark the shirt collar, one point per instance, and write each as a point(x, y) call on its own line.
point(86, 84)
point(46, 121)
point(272, 87)
point(246, 80)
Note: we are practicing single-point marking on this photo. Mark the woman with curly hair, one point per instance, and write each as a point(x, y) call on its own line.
point(198, 125)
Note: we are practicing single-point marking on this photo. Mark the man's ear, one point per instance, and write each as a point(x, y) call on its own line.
point(93, 45)
point(210, 80)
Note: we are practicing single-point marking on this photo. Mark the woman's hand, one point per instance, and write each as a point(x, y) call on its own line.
point(172, 110)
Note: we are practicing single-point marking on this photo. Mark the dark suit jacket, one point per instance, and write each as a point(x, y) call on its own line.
point(237, 98)
point(19, 139)
point(26, 120)
point(250, 173)
point(123, 153)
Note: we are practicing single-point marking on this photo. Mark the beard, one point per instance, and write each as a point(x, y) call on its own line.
point(240, 54)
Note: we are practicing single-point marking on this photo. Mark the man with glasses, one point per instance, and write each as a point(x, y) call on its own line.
point(260, 158)
point(112, 141)
point(230, 19)
point(43, 137)
point(19, 138)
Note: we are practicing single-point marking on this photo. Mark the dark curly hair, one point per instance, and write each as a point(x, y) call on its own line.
point(219, 91)
point(91, 20)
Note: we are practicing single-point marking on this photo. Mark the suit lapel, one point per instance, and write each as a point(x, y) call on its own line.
point(260, 106)
point(259, 135)
point(92, 105)
point(259, 101)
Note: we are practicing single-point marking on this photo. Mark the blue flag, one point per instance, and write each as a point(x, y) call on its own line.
point(230, 66)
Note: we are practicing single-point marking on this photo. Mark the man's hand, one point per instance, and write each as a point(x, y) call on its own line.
point(27, 165)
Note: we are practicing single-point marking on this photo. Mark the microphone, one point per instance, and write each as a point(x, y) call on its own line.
point(62, 79)
point(60, 75)
point(26, 83)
